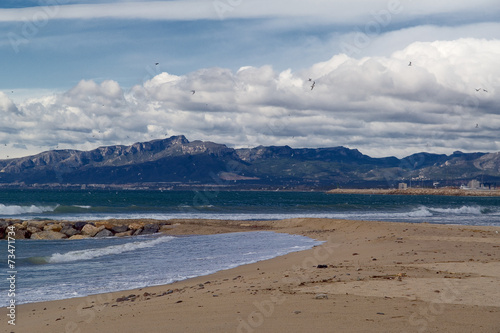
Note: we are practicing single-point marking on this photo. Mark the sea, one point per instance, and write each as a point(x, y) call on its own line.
point(51, 270)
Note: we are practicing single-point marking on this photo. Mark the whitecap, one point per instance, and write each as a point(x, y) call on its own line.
point(105, 251)
point(472, 210)
point(18, 210)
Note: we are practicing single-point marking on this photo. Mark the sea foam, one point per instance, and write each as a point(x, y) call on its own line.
point(105, 251)
point(18, 210)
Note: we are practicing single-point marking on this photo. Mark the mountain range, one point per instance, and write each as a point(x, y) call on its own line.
point(176, 162)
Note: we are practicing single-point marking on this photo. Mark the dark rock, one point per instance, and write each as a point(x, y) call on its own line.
point(79, 225)
point(104, 233)
point(69, 231)
point(120, 228)
point(3, 227)
point(322, 266)
point(22, 234)
point(150, 228)
point(3, 224)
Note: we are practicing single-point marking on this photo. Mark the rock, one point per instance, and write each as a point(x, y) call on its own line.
point(124, 234)
point(106, 224)
point(53, 227)
point(104, 233)
point(79, 225)
point(3, 228)
point(91, 230)
point(33, 230)
point(137, 232)
point(37, 224)
point(135, 226)
point(21, 234)
point(322, 266)
point(119, 228)
point(78, 237)
point(321, 296)
point(47, 234)
point(20, 226)
point(69, 231)
point(150, 229)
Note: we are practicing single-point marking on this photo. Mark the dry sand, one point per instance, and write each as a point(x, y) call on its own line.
point(379, 277)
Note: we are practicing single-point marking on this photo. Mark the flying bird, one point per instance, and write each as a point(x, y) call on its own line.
point(477, 89)
point(409, 64)
point(310, 79)
point(157, 63)
point(485, 90)
point(477, 125)
point(192, 92)
point(312, 86)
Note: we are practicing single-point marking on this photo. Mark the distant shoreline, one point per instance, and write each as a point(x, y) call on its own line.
point(420, 191)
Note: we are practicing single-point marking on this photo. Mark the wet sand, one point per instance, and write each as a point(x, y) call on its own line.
point(366, 277)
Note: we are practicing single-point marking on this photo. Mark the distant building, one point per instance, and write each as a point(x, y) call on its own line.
point(402, 186)
point(474, 184)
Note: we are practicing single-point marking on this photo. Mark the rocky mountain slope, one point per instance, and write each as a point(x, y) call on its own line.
point(176, 160)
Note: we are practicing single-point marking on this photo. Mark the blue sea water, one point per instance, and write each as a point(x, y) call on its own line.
point(50, 270)
point(246, 205)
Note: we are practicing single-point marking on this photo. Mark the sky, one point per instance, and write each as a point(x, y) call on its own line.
point(79, 74)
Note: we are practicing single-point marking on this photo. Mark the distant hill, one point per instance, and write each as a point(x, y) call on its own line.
point(177, 162)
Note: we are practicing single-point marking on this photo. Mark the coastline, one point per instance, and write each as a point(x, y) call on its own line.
point(420, 191)
point(379, 276)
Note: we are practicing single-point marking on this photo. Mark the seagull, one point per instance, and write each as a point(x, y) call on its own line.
point(157, 63)
point(312, 86)
point(485, 90)
point(478, 89)
point(193, 91)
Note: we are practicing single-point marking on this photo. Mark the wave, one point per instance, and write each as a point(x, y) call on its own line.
point(469, 210)
point(82, 206)
point(88, 254)
point(19, 210)
point(420, 212)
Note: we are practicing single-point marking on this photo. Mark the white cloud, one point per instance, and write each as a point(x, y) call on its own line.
point(379, 105)
point(7, 106)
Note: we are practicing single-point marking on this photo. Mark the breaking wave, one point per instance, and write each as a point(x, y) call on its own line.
point(88, 254)
point(19, 210)
point(469, 210)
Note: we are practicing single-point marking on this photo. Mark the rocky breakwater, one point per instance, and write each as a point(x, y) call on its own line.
point(52, 230)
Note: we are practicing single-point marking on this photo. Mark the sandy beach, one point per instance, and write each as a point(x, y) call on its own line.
point(365, 277)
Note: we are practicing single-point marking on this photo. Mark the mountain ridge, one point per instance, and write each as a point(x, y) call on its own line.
point(180, 161)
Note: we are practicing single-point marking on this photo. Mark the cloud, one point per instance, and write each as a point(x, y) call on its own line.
point(379, 105)
point(325, 11)
point(7, 106)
